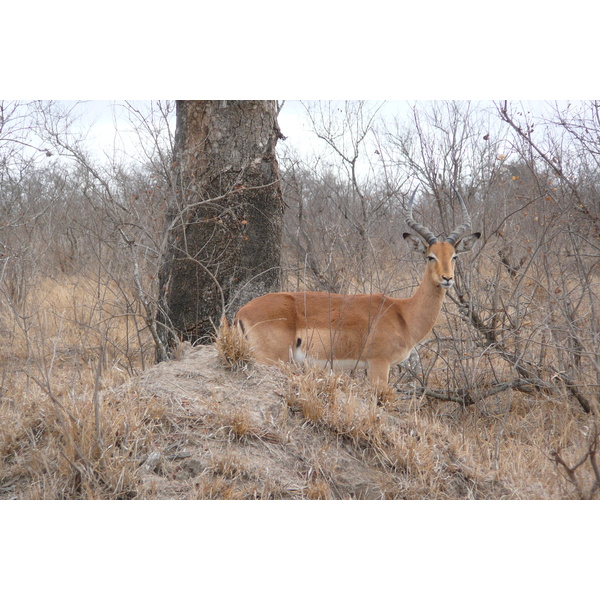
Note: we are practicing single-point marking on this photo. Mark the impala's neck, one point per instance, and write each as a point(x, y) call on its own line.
point(424, 307)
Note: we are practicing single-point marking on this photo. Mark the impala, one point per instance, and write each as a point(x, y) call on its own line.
point(371, 331)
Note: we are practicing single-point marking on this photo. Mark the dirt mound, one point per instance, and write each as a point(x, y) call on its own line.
point(266, 432)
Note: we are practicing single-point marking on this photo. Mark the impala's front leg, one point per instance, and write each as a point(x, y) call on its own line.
point(378, 372)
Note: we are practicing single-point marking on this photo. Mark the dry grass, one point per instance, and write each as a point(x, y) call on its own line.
point(503, 447)
point(68, 341)
point(66, 325)
point(410, 453)
point(52, 451)
point(213, 425)
point(233, 347)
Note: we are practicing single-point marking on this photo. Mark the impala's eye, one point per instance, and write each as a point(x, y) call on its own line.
point(454, 257)
point(430, 258)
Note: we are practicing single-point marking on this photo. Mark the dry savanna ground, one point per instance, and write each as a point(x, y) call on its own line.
point(85, 415)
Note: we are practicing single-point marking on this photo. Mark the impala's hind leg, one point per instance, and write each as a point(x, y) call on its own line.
point(269, 344)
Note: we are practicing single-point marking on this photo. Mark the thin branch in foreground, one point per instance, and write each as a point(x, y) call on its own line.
point(570, 472)
point(523, 367)
point(467, 397)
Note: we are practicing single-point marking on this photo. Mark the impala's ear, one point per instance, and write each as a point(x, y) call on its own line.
point(415, 243)
point(466, 243)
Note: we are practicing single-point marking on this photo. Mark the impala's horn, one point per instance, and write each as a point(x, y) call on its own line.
point(466, 225)
point(420, 229)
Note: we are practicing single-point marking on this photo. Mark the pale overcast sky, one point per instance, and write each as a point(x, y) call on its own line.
point(110, 129)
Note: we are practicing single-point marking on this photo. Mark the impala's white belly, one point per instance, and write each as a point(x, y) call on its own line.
point(347, 364)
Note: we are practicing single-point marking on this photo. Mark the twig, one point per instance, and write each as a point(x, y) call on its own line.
point(148, 315)
point(96, 396)
point(467, 397)
point(574, 390)
point(523, 367)
point(46, 389)
point(570, 471)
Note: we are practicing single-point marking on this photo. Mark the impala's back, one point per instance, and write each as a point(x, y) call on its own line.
point(323, 328)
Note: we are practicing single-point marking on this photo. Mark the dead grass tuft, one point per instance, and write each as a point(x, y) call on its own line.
point(318, 489)
point(233, 347)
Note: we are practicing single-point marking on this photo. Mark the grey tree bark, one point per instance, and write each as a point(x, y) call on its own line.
point(223, 227)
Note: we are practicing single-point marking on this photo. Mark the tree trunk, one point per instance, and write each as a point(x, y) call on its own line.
point(223, 229)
